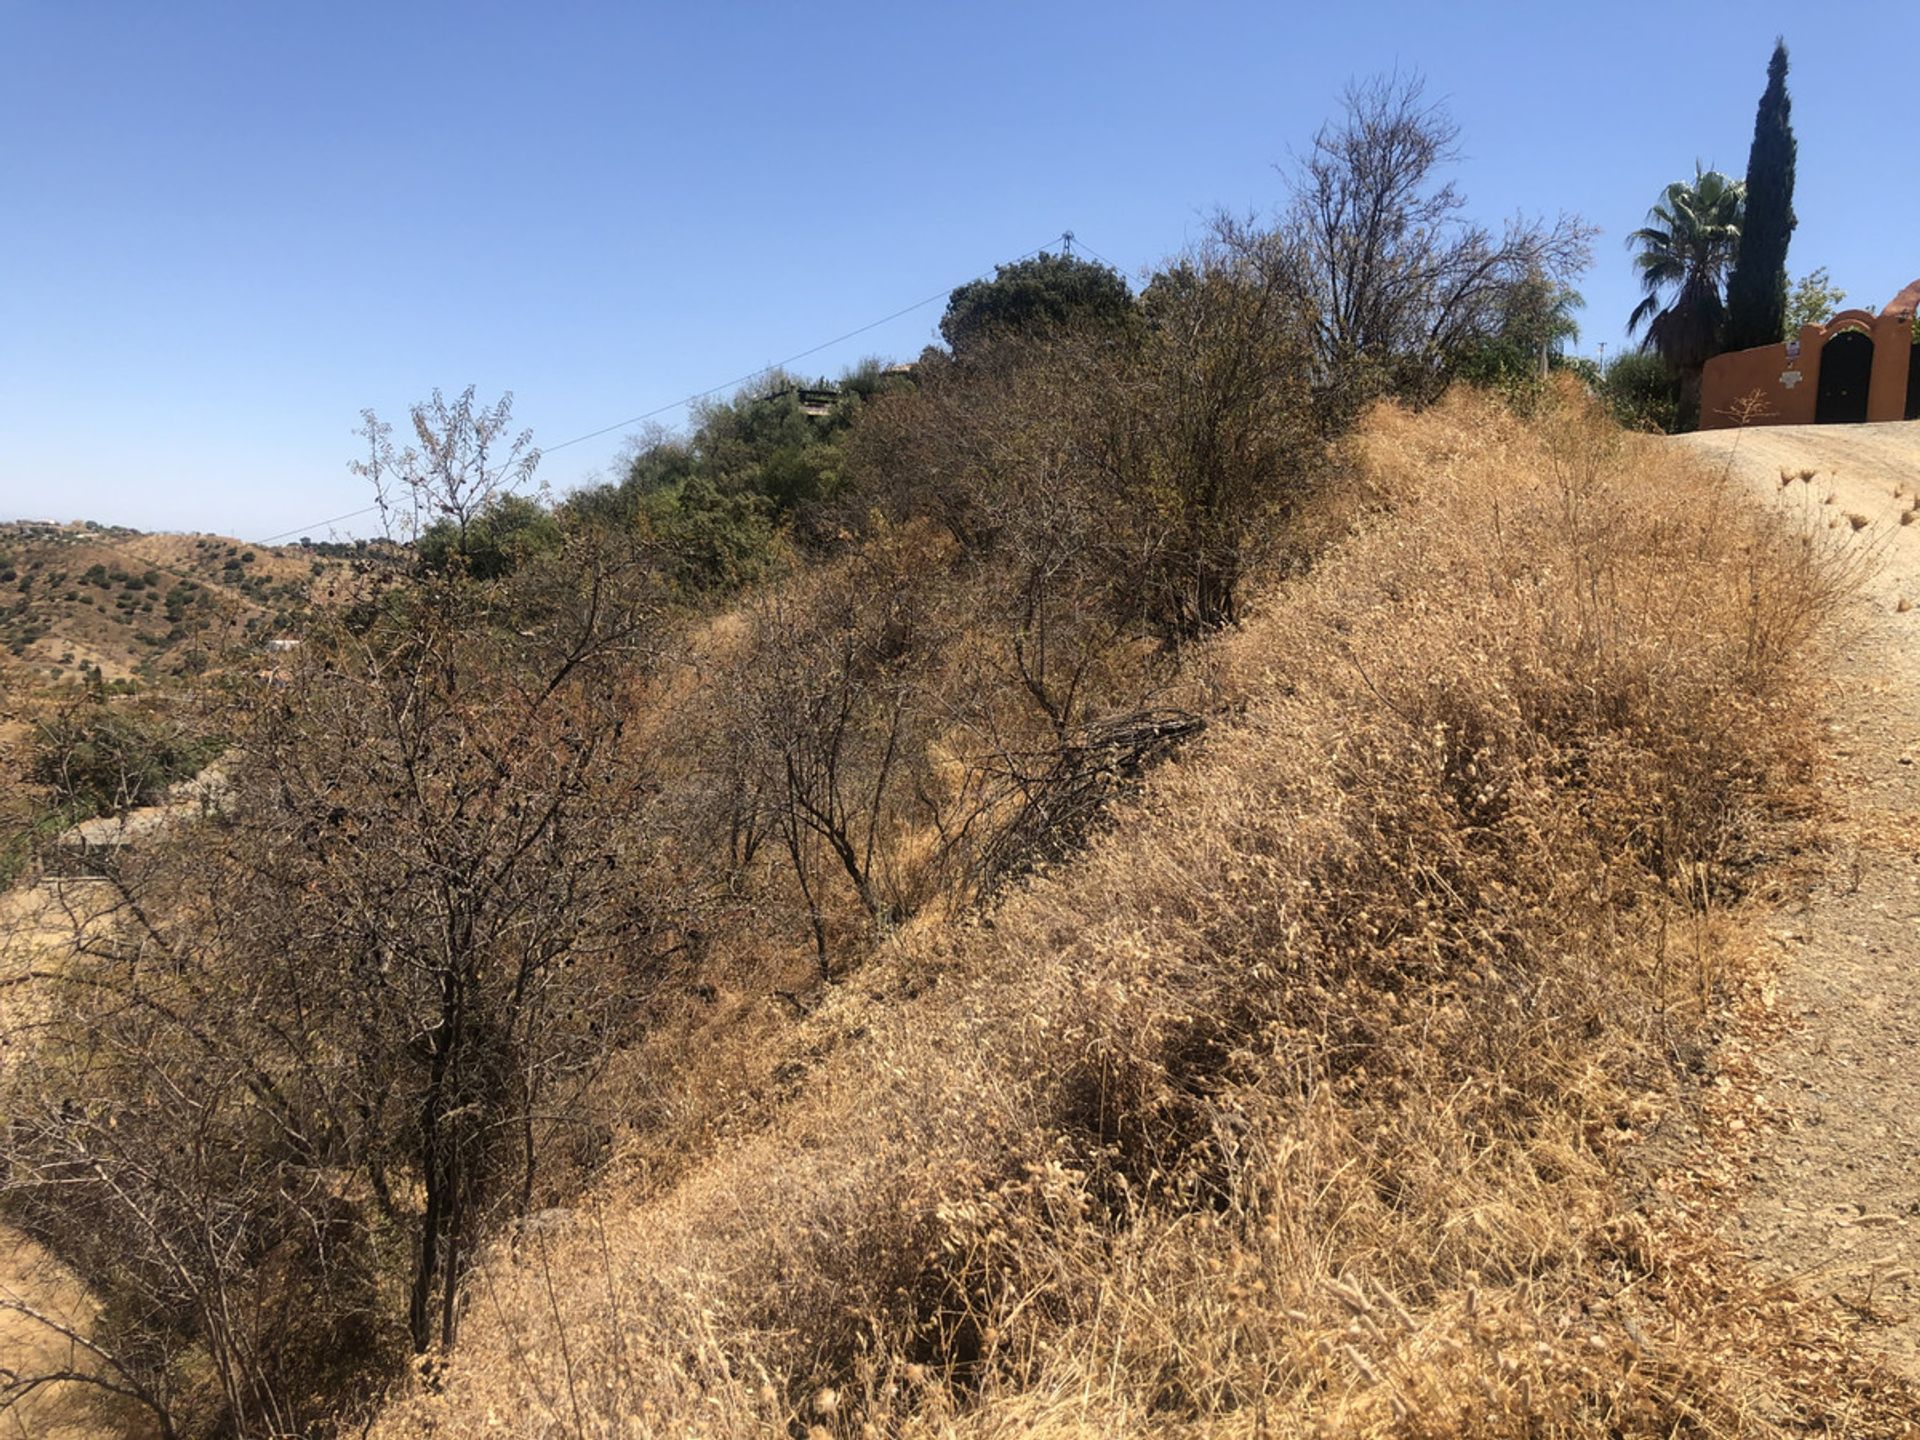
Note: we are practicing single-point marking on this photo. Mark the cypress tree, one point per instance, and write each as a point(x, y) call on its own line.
point(1757, 288)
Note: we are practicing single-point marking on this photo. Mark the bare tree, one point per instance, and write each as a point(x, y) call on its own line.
point(463, 459)
point(1207, 434)
point(833, 701)
point(300, 1060)
point(1396, 273)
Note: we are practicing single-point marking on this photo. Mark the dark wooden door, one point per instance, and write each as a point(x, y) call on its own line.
point(1846, 369)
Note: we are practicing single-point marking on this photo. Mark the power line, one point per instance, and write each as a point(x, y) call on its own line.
point(942, 294)
point(1066, 237)
point(1097, 255)
point(318, 524)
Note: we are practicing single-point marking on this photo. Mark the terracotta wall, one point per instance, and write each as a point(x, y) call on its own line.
point(1892, 355)
point(1787, 389)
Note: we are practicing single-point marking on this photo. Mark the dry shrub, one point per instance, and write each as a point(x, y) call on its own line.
point(895, 731)
point(1310, 1099)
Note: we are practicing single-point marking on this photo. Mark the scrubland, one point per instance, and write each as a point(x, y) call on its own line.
point(1351, 1081)
point(1169, 868)
point(83, 602)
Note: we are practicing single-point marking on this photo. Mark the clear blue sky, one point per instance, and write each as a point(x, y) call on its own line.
point(227, 228)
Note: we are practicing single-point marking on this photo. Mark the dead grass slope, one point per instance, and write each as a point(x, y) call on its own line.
point(1310, 1100)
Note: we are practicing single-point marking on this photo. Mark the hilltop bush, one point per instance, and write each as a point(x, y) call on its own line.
point(1135, 470)
point(762, 461)
point(1642, 391)
point(1031, 299)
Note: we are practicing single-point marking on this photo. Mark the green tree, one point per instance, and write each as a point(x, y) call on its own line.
point(1640, 391)
point(1757, 288)
point(1031, 296)
point(97, 759)
point(498, 539)
point(1685, 249)
point(719, 505)
point(712, 543)
point(1535, 322)
point(659, 461)
point(1813, 300)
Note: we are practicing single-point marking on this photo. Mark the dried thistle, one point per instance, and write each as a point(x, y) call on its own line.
point(1750, 409)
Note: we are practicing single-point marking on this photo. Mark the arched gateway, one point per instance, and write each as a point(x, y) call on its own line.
point(1846, 372)
point(1858, 366)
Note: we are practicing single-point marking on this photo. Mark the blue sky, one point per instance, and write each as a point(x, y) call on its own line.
point(228, 228)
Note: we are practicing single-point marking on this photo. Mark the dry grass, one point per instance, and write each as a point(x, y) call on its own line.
point(1337, 1091)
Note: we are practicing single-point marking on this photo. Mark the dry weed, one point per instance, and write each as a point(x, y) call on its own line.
point(1313, 1099)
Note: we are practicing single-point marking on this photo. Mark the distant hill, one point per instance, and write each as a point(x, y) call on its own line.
point(81, 597)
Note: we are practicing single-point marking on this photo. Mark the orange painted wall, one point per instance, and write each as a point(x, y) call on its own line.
point(1732, 377)
point(1763, 372)
point(1892, 354)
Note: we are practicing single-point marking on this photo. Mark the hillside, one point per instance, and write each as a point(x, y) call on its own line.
point(1398, 1052)
point(1364, 1080)
point(80, 597)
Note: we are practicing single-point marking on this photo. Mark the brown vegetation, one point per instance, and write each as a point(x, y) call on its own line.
point(1316, 1096)
point(1076, 891)
point(81, 601)
point(804, 1017)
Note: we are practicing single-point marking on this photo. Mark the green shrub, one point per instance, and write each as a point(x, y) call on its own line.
point(97, 759)
point(508, 531)
point(1642, 392)
point(714, 542)
point(1509, 369)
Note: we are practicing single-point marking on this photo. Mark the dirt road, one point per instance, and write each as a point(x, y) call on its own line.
point(30, 1277)
point(1833, 1202)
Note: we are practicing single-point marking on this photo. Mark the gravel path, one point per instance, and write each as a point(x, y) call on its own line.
point(1833, 1199)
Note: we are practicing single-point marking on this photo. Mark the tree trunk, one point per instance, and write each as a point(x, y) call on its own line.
point(1687, 415)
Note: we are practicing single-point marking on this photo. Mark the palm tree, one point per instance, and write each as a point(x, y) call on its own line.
point(1539, 315)
point(1686, 248)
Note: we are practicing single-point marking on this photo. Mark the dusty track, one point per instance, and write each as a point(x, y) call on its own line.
point(1833, 1201)
point(28, 1275)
